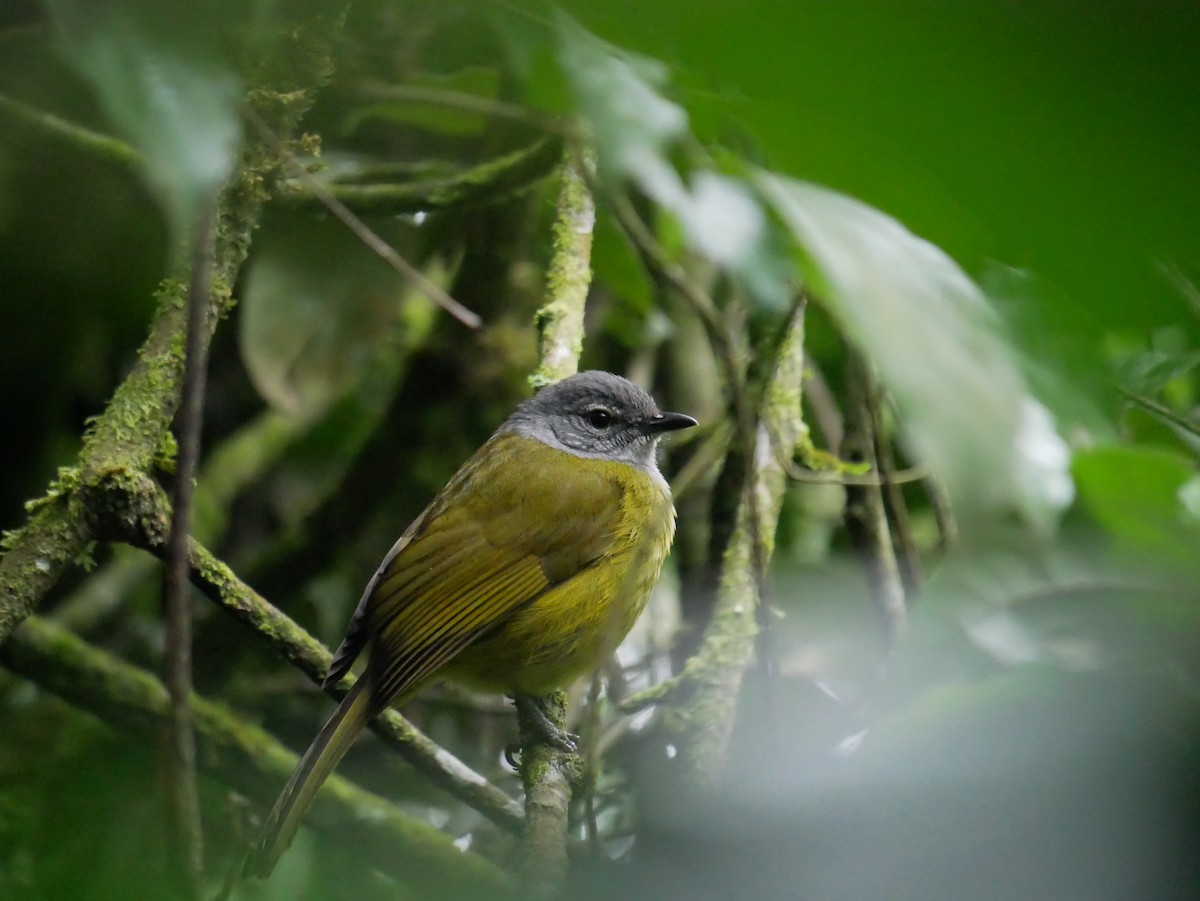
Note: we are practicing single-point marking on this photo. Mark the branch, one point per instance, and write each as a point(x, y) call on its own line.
point(485, 183)
point(236, 462)
point(131, 434)
point(85, 140)
point(548, 772)
point(250, 760)
point(144, 526)
point(560, 320)
point(702, 721)
point(364, 233)
point(183, 798)
point(866, 516)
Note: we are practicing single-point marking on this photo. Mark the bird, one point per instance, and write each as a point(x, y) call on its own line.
point(524, 572)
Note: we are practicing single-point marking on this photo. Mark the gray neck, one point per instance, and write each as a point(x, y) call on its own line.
point(640, 454)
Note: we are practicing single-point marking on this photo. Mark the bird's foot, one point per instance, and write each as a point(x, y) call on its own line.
point(537, 725)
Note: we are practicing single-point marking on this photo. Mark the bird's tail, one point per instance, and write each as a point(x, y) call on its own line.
point(322, 756)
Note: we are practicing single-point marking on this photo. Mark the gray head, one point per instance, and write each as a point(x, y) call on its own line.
point(597, 414)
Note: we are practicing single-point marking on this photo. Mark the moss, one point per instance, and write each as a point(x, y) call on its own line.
point(238, 753)
point(485, 183)
point(702, 718)
point(164, 455)
point(560, 320)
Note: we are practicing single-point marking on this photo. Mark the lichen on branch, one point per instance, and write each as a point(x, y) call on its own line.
point(699, 718)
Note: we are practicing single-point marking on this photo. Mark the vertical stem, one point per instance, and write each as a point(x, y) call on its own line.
point(702, 727)
point(560, 320)
point(186, 847)
point(866, 518)
point(894, 506)
point(549, 772)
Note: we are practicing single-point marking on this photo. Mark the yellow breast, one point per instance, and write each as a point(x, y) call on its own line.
point(575, 624)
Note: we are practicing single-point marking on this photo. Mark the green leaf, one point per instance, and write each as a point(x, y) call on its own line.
point(632, 124)
point(176, 103)
point(317, 305)
point(1144, 497)
point(616, 264)
point(937, 344)
point(637, 130)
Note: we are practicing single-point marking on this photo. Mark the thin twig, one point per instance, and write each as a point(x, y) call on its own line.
point(943, 513)
point(591, 756)
point(865, 516)
point(1168, 416)
point(894, 504)
point(84, 139)
point(826, 414)
point(187, 840)
point(364, 233)
point(471, 103)
point(829, 477)
point(486, 182)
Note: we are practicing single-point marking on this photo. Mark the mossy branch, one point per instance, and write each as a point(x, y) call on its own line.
point(132, 434)
point(560, 319)
point(249, 760)
point(549, 775)
point(700, 721)
point(548, 772)
point(487, 182)
point(140, 517)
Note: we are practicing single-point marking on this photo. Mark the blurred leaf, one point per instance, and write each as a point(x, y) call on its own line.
point(615, 264)
point(316, 305)
point(936, 342)
point(175, 103)
point(631, 123)
point(1140, 496)
point(636, 129)
point(447, 104)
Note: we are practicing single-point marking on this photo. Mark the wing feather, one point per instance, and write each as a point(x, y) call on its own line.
point(487, 546)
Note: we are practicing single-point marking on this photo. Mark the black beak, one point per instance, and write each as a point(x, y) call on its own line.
point(668, 422)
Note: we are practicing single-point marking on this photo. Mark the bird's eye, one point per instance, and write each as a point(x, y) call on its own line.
point(599, 418)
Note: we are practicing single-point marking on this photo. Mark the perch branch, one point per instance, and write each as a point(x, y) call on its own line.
point(548, 772)
point(144, 526)
point(249, 760)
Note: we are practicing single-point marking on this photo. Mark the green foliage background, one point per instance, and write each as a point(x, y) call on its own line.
point(1034, 732)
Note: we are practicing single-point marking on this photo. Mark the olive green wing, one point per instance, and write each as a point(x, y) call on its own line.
point(489, 544)
point(357, 633)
